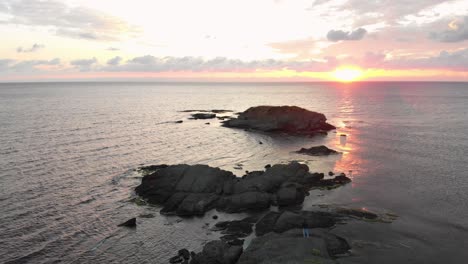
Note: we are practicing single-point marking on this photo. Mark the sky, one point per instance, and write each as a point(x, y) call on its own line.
point(244, 40)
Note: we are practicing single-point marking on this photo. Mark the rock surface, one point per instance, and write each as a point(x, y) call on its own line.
point(217, 252)
point(317, 151)
point(291, 247)
point(286, 220)
point(188, 190)
point(287, 119)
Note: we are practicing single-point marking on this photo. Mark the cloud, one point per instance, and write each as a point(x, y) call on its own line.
point(150, 63)
point(34, 48)
point(27, 66)
point(70, 21)
point(114, 61)
point(457, 32)
point(84, 64)
point(337, 35)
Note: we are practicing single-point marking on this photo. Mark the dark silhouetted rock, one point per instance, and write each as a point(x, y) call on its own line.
point(217, 252)
point(292, 247)
point(129, 223)
point(287, 119)
point(330, 173)
point(215, 217)
point(188, 190)
point(317, 151)
point(179, 121)
point(176, 259)
point(203, 116)
point(184, 253)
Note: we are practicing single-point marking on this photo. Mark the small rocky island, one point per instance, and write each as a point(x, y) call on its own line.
point(286, 119)
point(192, 190)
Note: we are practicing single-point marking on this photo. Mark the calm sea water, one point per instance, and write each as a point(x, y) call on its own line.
point(68, 153)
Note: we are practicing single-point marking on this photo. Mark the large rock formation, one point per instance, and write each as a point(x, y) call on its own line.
point(194, 189)
point(288, 119)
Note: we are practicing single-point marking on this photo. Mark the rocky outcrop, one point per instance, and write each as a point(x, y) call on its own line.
point(287, 119)
point(317, 151)
point(188, 190)
point(291, 247)
point(129, 223)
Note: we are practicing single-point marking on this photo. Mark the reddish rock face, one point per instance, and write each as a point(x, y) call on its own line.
point(288, 119)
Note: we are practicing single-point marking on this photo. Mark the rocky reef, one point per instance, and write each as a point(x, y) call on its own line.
point(286, 119)
point(188, 190)
point(317, 151)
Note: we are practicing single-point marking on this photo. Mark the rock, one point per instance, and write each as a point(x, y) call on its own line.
point(188, 190)
point(217, 252)
point(266, 223)
point(267, 166)
point(179, 121)
point(290, 195)
point(287, 119)
point(215, 217)
point(359, 213)
point(317, 151)
point(176, 259)
point(237, 228)
point(129, 223)
point(152, 168)
point(245, 201)
point(261, 143)
point(207, 123)
point(216, 111)
point(203, 116)
point(289, 247)
point(184, 253)
point(330, 173)
point(286, 220)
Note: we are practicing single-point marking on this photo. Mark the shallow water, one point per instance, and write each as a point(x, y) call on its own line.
point(69, 150)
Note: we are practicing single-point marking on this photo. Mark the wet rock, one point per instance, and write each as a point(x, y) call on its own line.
point(245, 201)
point(330, 173)
point(317, 151)
point(359, 213)
point(266, 223)
point(267, 166)
point(207, 123)
point(287, 119)
point(152, 168)
point(179, 121)
point(129, 223)
point(203, 116)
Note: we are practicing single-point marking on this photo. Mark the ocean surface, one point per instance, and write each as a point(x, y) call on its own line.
point(69, 154)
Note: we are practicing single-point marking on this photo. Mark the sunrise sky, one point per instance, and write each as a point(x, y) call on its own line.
point(234, 40)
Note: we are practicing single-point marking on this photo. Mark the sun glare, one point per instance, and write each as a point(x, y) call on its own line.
point(347, 74)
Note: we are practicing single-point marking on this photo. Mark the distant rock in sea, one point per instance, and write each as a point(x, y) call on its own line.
point(188, 190)
point(203, 116)
point(317, 151)
point(286, 119)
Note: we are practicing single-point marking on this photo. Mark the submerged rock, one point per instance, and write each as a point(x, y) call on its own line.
point(317, 151)
point(129, 223)
point(288, 119)
point(188, 190)
point(203, 116)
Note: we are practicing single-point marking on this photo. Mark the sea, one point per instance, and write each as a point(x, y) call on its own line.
point(69, 154)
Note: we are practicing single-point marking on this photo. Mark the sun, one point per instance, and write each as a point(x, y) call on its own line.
point(347, 74)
